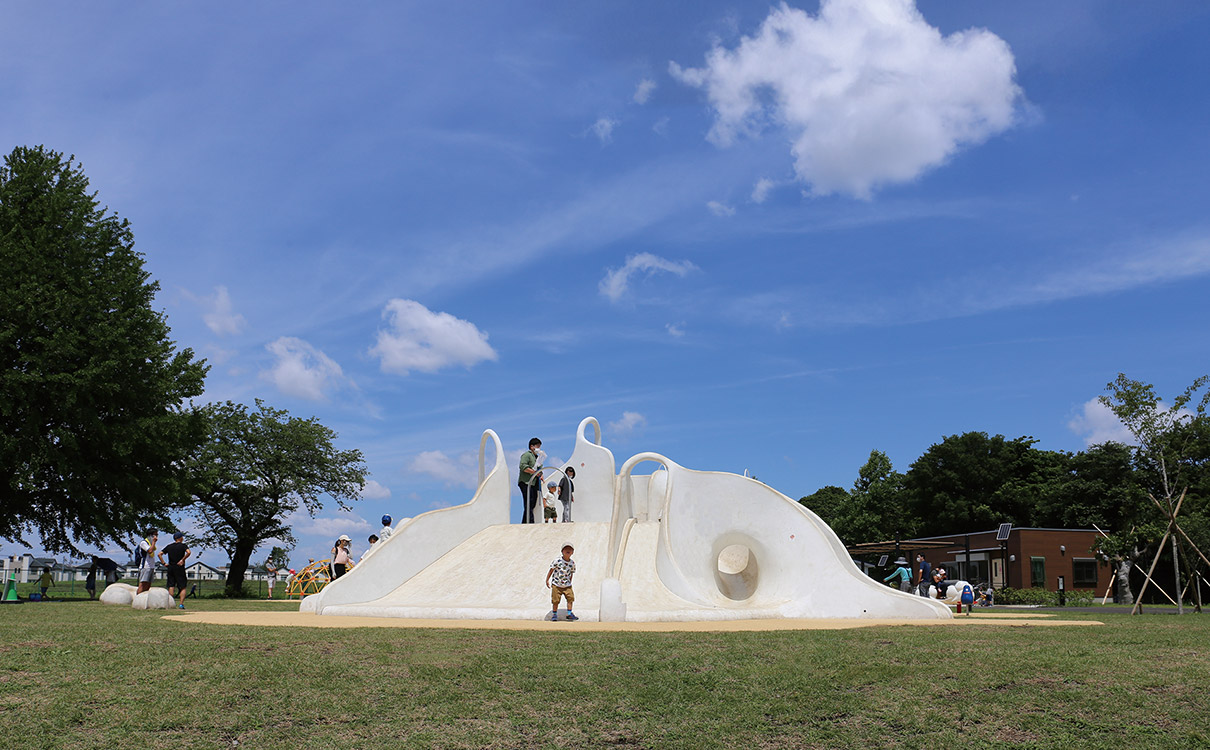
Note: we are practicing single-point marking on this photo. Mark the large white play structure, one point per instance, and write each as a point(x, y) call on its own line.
point(672, 545)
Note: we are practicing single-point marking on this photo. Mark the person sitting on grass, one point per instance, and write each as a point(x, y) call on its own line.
point(558, 580)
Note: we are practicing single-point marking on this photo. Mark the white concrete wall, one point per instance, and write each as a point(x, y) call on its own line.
point(420, 541)
point(594, 465)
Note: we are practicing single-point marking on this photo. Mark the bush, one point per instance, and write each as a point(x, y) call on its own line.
point(1043, 598)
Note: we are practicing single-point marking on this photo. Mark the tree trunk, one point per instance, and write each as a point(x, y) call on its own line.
point(1124, 594)
point(239, 566)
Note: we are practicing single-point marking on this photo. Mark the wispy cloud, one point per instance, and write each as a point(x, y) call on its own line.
point(301, 370)
point(617, 280)
point(375, 491)
point(676, 330)
point(630, 422)
point(643, 91)
point(760, 191)
point(603, 129)
point(720, 209)
point(222, 318)
point(458, 471)
point(420, 339)
point(868, 92)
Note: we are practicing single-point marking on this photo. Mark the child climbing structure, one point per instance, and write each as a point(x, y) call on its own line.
point(674, 544)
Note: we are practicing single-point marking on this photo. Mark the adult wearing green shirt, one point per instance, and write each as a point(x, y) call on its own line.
point(904, 575)
point(529, 479)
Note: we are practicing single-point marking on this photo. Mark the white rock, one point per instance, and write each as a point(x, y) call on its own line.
point(118, 593)
point(152, 599)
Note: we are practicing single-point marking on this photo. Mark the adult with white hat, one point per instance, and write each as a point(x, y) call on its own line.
point(903, 573)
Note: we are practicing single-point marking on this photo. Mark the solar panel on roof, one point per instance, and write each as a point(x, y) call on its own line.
point(1002, 534)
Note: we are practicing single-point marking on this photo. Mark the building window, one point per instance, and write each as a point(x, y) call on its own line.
point(1084, 574)
point(1037, 572)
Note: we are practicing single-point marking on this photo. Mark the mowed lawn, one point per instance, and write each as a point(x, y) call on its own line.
point(79, 674)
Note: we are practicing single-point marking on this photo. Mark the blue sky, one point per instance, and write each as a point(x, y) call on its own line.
point(746, 236)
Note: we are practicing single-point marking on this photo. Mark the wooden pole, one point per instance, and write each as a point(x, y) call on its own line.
point(1158, 551)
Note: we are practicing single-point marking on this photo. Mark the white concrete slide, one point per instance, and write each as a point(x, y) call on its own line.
point(673, 545)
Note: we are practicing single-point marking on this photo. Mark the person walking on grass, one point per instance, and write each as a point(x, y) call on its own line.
point(271, 570)
point(90, 582)
point(45, 581)
point(558, 580)
point(177, 579)
point(147, 560)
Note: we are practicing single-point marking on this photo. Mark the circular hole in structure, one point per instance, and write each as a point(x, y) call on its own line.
point(736, 572)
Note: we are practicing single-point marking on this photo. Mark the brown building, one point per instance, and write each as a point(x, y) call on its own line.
point(1028, 558)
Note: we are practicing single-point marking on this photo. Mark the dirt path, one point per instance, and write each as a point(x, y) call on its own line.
point(307, 620)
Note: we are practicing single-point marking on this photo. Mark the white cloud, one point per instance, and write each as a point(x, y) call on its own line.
point(760, 191)
point(661, 126)
point(222, 318)
point(617, 280)
point(720, 209)
point(1097, 424)
point(330, 527)
point(460, 471)
point(675, 329)
point(603, 129)
point(867, 90)
point(419, 339)
point(302, 370)
point(375, 491)
point(643, 91)
point(630, 421)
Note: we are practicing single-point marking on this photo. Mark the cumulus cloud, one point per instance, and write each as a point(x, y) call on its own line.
point(1097, 424)
point(603, 129)
point(301, 370)
point(222, 318)
point(617, 280)
point(720, 209)
point(867, 91)
point(420, 339)
point(630, 421)
point(643, 91)
point(375, 491)
point(760, 191)
point(459, 471)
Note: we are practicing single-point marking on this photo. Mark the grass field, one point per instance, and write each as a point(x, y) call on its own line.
point(78, 674)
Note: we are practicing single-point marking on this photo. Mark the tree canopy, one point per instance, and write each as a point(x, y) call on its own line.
point(255, 469)
point(92, 430)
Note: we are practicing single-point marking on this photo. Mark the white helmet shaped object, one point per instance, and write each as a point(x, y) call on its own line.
point(343, 538)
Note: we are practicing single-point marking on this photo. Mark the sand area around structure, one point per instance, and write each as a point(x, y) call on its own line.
point(309, 620)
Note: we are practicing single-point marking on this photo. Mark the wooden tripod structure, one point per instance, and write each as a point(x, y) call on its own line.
point(1174, 529)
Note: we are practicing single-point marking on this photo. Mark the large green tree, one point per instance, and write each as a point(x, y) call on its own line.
point(973, 481)
point(255, 469)
point(92, 430)
point(1169, 439)
point(873, 511)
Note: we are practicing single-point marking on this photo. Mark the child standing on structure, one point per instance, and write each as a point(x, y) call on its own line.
point(558, 580)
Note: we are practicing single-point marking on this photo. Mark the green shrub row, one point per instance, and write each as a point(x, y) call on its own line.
point(1043, 598)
